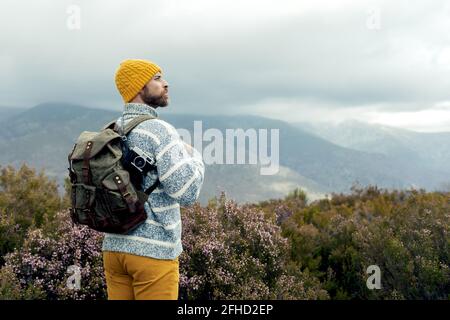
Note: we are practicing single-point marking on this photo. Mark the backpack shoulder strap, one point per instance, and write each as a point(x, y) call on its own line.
point(135, 121)
point(109, 125)
point(129, 126)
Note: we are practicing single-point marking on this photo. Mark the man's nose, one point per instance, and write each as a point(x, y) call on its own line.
point(165, 84)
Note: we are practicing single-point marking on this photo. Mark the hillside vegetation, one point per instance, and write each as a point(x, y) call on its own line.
point(276, 249)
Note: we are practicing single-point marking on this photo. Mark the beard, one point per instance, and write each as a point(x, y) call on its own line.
point(154, 100)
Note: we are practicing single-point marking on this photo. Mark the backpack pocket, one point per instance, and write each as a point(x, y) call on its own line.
point(117, 191)
point(83, 198)
point(119, 200)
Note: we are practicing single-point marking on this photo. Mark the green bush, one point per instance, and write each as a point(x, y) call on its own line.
point(405, 233)
point(27, 200)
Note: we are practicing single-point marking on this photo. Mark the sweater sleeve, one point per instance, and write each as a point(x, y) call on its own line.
point(181, 175)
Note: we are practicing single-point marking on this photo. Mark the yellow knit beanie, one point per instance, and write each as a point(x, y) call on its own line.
point(132, 75)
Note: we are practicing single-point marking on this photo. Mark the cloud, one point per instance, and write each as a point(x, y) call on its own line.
point(433, 119)
point(222, 56)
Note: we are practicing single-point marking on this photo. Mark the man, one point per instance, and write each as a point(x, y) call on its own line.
point(143, 264)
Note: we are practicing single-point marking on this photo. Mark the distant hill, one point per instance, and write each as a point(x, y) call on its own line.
point(43, 136)
point(331, 166)
point(427, 148)
point(8, 112)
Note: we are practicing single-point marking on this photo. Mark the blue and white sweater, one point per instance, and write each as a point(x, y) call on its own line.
point(181, 177)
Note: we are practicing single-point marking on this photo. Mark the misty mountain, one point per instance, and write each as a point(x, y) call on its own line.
point(331, 166)
point(8, 112)
point(432, 149)
point(43, 136)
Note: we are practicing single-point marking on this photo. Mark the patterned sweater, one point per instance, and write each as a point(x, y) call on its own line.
point(181, 177)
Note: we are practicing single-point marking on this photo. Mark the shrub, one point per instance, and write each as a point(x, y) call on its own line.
point(43, 262)
point(405, 233)
point(27, 200)
point(235, 252)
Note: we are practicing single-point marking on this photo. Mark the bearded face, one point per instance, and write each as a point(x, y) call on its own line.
point(160, 99)
point(156, 92)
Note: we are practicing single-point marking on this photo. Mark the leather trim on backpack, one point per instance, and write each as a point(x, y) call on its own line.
point(125, 194)
point(86, 166)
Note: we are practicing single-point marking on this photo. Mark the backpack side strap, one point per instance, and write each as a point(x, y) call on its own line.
point(86, 169)
point(152, 187)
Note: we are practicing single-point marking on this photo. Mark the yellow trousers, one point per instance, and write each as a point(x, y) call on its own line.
point(132, 277)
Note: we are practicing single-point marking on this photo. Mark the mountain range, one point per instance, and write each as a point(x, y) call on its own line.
point(319, 158)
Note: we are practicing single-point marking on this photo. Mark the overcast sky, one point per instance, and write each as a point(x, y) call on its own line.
point(377, 61)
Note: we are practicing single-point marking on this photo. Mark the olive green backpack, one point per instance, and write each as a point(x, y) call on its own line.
point(104, 195)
